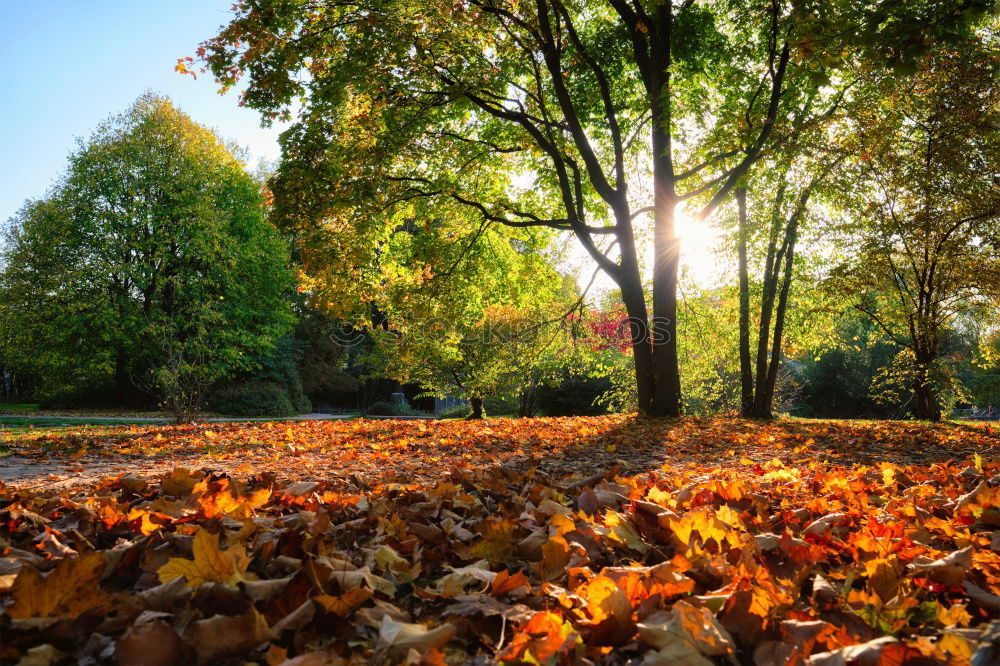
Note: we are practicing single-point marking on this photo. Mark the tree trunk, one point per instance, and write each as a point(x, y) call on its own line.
point(746, 369)
point(526, 406)
point(764, 403)
point(123, 385)
point(925, 402)
point(477, 408)
point(642, 353)
point(666, 259)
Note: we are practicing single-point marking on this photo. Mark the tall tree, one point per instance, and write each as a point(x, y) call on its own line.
point(784, 191)
point(923, 208)
point(582, 116)
point(150, 263)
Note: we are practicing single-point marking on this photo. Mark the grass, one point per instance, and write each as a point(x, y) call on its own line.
point(18, 406)
point(75, 421)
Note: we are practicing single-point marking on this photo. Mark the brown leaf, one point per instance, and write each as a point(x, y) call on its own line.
point(949, 570)
point(222, 636)
point(70, 589)
point(396, 639)
point(153, 643)
point(865, 654)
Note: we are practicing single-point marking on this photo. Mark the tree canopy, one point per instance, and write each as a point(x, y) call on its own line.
point(922, 204)
point(584, 117)
point(150, 265)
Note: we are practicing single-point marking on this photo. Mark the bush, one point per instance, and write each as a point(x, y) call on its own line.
point(502, 405)
point(279, 367)
point(253, 398)
point(383, 408)
point(574, 396)
point(460, 412)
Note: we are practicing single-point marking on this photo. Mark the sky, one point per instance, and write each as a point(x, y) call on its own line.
point(69, 64)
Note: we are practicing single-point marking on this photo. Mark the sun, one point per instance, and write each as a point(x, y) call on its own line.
point(699, 244)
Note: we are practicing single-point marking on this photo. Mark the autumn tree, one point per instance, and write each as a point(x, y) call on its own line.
point(585, 117)
point(476, 329)
point(150, 264)
point(923, 209)
point(784, 193)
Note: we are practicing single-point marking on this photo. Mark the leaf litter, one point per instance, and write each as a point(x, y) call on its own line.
point(556, 541)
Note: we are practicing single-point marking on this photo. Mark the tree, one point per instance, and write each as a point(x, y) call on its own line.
point(149, 264)
point(478, 328)
point(923, 209)
point(784, 194)
point(504, 353)
point(583, 117)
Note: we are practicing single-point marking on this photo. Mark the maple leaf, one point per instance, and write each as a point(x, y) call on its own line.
point(179, 482)
point(543, 637)
point(210, 564)
point(349, 580)
point(685, 635)
point(497, 544)
point(223, 636)
point(346, 603)
point(70, 589)
point(504, 583)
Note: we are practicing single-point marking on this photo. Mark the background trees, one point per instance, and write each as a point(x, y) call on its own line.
point(462, 312)
point(921, 239)
point(580, 117)
point(149, 269)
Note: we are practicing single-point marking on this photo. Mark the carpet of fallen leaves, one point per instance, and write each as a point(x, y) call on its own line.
point(591, 540)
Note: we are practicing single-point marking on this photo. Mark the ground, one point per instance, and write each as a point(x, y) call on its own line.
point(605, 539)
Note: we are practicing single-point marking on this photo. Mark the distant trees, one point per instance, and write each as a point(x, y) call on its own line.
point(462, 312)
point(921, 243)
point(150, 265)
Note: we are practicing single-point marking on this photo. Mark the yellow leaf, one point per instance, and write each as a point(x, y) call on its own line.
point(955, 646)
point(953, 615)
point(210, 564)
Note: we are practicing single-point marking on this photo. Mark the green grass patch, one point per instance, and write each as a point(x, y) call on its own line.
point(18, 406)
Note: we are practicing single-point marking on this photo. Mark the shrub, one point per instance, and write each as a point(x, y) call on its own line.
point(460, 412)
point(383, 408)
point(253, 398)
point(574, 396)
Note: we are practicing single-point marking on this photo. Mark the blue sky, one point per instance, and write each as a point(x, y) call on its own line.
point(68, 64)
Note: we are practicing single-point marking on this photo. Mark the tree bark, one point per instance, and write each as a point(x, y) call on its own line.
point(477, 408)
point(642, 352)
point(925, 403)
point(666, 259)
point(746, 369)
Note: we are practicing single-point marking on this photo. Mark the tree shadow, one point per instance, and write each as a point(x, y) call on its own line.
point(637, 444)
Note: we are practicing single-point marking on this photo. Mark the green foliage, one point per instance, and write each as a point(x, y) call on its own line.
point(324, 360)
point(484, 327)
point(252, 398)
point(573, 394)
point(149, 266)
point(893, 383)
point(550, 115)
point(460, 412)
point(837, 377)
point(922, 207)
point(384, 408)
point(281, 367)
